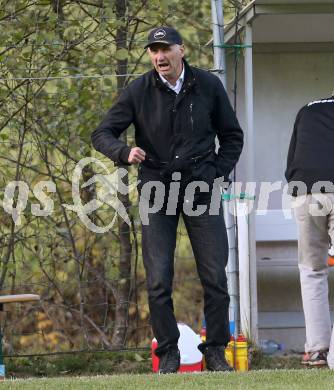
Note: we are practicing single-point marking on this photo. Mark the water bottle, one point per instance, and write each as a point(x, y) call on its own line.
point(203, 331)
point(269, 347)
point(203, 339)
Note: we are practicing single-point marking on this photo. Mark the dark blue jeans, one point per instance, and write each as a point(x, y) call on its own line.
point(208, 238)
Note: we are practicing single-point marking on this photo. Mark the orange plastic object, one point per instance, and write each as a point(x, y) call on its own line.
point(330, 261)
point(183, 368)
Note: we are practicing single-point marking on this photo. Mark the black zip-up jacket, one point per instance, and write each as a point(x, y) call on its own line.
point(174, 129)
point(310, 156)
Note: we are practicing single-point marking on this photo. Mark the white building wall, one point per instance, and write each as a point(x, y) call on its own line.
point(286, 76)
point(283, 83)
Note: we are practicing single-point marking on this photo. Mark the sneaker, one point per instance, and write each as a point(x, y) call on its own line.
point(169, 361)
point(215, 359)
point(315, 359)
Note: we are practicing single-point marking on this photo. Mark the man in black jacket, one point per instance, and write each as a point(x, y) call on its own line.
point(310, 173)
point(177, 111)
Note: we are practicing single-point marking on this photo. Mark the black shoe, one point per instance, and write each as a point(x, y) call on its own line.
point(169, 361)
point(215, 359)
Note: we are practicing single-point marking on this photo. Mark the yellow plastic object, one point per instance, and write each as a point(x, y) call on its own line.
point(237, 349)
point(203, 339)
point(330, 261)
point(229, 352)
point(241, 358)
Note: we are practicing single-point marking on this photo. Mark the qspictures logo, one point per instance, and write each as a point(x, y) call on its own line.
point(109, 185)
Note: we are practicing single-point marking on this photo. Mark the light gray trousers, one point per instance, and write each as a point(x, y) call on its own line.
point(315, 222)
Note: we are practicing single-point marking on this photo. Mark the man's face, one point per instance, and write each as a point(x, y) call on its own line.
point(167, 59)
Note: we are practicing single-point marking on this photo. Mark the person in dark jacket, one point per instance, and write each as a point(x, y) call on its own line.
point(310, 174)
point(177, 111)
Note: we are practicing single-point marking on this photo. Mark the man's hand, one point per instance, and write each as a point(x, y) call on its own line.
point(136, 156)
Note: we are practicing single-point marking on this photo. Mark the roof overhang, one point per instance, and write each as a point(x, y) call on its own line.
point(278, 21)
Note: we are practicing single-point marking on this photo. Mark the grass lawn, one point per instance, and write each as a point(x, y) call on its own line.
point(315, 379)
point(110, 363)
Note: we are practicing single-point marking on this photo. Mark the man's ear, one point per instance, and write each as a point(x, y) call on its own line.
point(182, 49)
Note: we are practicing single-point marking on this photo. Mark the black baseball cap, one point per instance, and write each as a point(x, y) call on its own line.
point(167, 35)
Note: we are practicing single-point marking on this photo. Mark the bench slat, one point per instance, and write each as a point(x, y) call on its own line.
point(19, 298)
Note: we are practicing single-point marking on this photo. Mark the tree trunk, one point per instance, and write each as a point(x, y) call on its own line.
point(124, 282)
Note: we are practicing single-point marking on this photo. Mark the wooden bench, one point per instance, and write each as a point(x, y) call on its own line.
point(19, 298)
point(11, 299)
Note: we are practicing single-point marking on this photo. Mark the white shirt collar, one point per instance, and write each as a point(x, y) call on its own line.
point(177, 87)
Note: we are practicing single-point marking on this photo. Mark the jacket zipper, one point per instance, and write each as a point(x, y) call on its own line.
point(191, 117)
